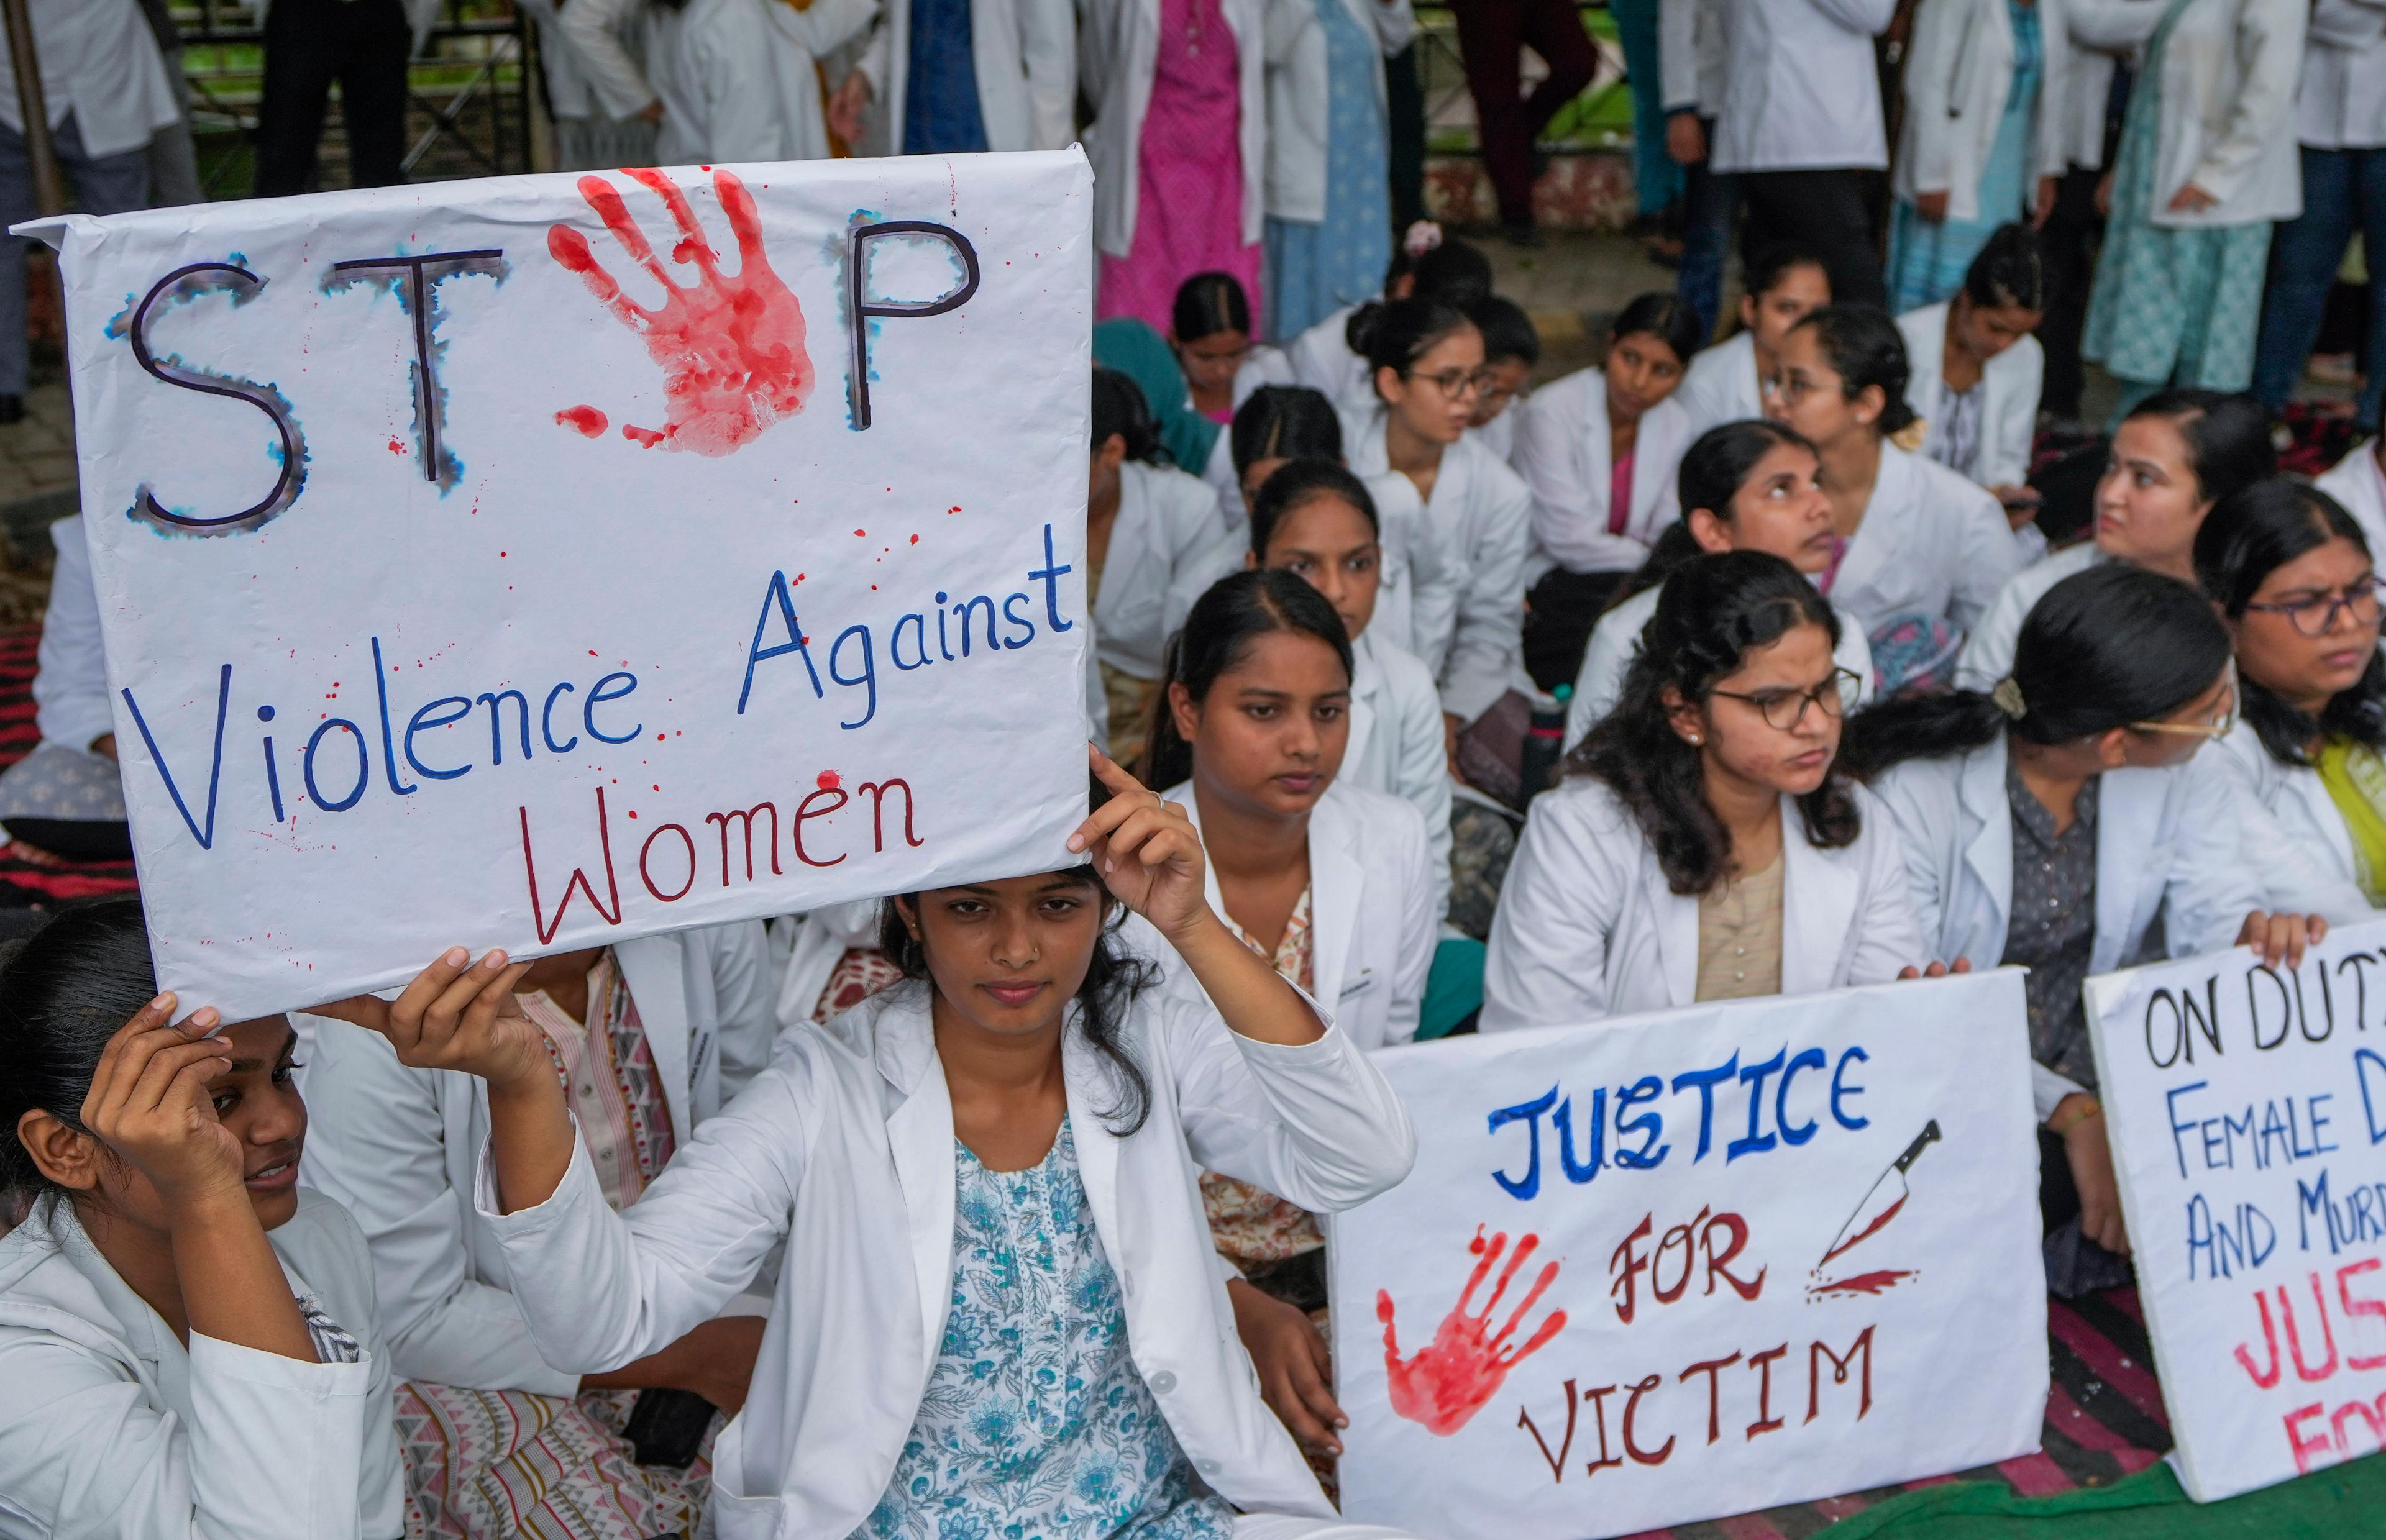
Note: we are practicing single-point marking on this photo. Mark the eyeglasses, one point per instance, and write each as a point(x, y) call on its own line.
point(2221, 724)
point(2317, 615)
point(1457, 384)
point(1783, 709)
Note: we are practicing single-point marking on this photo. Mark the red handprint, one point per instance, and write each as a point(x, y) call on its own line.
point(731, 346)
point(1447, 1381)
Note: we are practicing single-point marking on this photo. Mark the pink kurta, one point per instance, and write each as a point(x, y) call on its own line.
point(1188, 215)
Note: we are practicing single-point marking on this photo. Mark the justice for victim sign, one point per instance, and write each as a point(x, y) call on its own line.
point(2246, 1107)
point(543, 562)
point(1693, 1264)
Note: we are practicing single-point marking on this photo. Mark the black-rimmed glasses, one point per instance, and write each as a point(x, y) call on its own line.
point(1784, 708)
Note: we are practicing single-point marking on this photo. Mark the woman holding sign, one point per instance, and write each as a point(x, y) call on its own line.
point(1703, 845)
point(984, 1182)
point(2048, 822)
point(189, 1340)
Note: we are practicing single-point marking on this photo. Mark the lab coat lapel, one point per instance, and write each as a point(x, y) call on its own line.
point(2132, 861)
point(1675, 916)
point(1135, 541)
point(1366, 685)
point(920, 1138)
point(1982, 790)
point(1335, 879)
point(1876, 545)
point(655, 968)
point(1090, 1088)
point(1818, 908)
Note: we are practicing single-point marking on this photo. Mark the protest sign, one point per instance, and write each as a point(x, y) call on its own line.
point(1697, 1263)
point(543, 561)
point(2245, 1107)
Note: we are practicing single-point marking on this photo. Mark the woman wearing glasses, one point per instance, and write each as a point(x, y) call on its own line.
point(1426, 359)
point(2049, 821)
point(1598, 449)
point(2290, 570)
point(1703, 845)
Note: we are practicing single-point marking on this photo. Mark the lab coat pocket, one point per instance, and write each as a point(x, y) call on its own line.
point(731, 1515)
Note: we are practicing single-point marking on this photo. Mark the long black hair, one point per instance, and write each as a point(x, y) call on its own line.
point(1712, 471)
point(2228, 437)
point(1865, 348)
point(1665, 316)
point(2253, 532)
point(1710, 614)
point(1120, 410)
point(1298, 484)
point(1113, 978)
point(2102, 649)
point(1284, 422)
point(1395, 335)
point(69, 989)
point(1208, 303)
point(1218, 633)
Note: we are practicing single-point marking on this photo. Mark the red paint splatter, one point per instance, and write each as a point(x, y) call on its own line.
point(731, 346)
point(588, 419)
point(828, 781)
point(915, 539)
point(395, 447)
point(955, 508)
point(1449, 1381)
point(1883, 1217)
point(859, 533)
point(1863, 1283)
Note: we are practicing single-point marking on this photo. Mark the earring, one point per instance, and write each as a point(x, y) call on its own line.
point(1696, 739)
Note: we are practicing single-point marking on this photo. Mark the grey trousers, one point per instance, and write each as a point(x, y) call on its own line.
point(103, 184)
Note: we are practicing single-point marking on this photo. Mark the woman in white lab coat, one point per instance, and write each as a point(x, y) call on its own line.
point(1476, 522)
point(659, 1034)
point(586, 137)
point(1745, 486)
point(1211, 332)
point(66, 797)
point(2048, 822)
point(1021, 1062)
point(728, 81)
point(1703, 845)
point(2358, 482)
point(1512, 350)
point(1726, 382)
point(2176, 455)
point(1976, 370)
point(2207, 163)
point(1017, 90)
point(189, 1340)
point(1316, 520)
point(1329, 216)
point(1428, 265)
point(1923, 551)
point(2292, 574)
point(1599, 449)
point(1155, 538)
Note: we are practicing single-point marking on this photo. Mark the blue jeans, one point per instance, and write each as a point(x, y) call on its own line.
point(1657, 179)
point(1710, 211)
point(107, 185)
point(2343, 190)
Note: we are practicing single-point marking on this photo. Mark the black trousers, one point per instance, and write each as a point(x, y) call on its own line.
point(2069, 240)
point(1404, 103)
point(363, 45)
point(1826, 211)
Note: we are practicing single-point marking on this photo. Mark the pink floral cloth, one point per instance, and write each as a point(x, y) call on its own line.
point(1251, 1227)
point(1188, 211)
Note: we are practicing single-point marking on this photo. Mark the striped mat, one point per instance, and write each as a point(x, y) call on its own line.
point(27, 882)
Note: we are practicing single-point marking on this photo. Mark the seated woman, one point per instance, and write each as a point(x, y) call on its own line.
point(1154, 540)
point(1702, 845)
point(1923, 551)
point(1745, 486)
point(1329, 358)
point(2292, 574)
point(2174, 456)
point(1023, 1095)
point(1977, 372)
point(1315, 520)
point(1512, 350)
point(1726, 382)
point(1598, 450)
point(1210, 332)
point(2032, 820)
point(66, 799)
point(189, 1340)
point(650, 1038)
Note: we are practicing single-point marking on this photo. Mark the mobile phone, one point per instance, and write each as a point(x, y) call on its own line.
point(667, 1426)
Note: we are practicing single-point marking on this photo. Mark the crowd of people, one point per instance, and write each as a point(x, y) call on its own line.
point(1422, 702)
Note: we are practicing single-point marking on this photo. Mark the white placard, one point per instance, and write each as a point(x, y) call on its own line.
point(2246, 1106)
point(473, 572)
point(1697, 1263)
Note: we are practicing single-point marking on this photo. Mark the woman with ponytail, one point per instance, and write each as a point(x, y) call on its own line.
point(1429, 263)
point(1923, 551)
point(1702, 845)
point(2049, 821)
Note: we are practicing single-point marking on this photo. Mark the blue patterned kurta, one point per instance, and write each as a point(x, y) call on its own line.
point(2170, 306)
point(1037, 1424)
point(941, 114)
point(1315, 269)
point(1927, 262)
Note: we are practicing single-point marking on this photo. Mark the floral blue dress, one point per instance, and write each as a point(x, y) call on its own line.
point(1315, 269)
point(1037, 1424)
point(1927, 262)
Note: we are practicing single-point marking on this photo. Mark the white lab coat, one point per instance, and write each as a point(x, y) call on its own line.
point(1172, 540)
point(737, 78)
point(1615, 642)
point(1371, 914)
point(1721, 385)
point(1588, 926)
point(1930, 542)
point(2342, 104)
point(1396, 744)
point(109, 1426)
point(1563, 451)
point(1118, 50)
point(2012, 380)
point(1266, 366)
point(2291, 832)
point(818, 940)
point(2102, 32)
point(1690, 56)
point(1026, 57)
point(1298, 91)
point(569, 91)
point(1988, 651)
point(1800, 88)
point(843, 1148)
point(396, 1145)
point(2165, 842)
point(99, 62)
point(1959, 71)
point(71, 704)
point(1322, 359)
point(2358, 482)
point(1467, 553)
point(2227, 124)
